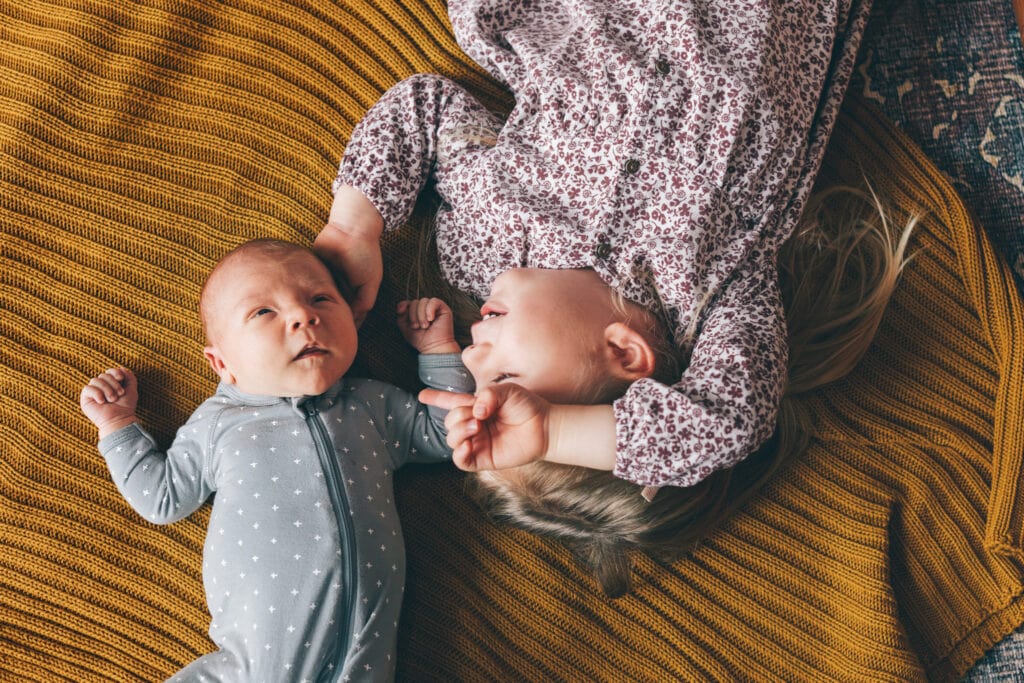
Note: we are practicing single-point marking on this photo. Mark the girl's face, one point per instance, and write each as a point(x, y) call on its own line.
point(544, 330)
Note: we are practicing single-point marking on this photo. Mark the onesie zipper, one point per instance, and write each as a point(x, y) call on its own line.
point(336, 490)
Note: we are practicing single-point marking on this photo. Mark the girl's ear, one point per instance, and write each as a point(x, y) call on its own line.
point(630, 357)
point(212, 354)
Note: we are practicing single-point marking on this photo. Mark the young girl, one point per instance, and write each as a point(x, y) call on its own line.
point(663, 153)
point(667, 149)
point(837, 274)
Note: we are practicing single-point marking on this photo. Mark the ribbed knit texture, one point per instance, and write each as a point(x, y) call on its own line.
point(139, 141)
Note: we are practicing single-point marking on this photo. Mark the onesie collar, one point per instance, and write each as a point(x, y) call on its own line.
point(235, 395)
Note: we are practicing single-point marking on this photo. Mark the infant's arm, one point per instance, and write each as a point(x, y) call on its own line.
point(416, 431)
point(162, 487)
point(109, 400)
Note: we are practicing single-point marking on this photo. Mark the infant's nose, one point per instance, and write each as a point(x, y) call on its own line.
point(304, 318)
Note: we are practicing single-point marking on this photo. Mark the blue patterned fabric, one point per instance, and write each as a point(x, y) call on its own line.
point(1002, 664)
point(951, 75)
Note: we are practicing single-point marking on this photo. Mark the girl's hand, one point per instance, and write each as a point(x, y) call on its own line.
point(350, 245)
point(109, 400)
point(502, 426)
point(428, 325)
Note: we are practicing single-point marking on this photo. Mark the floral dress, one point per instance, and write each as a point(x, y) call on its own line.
point(669, 146)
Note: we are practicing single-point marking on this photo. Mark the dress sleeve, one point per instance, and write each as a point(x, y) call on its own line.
point(725, 404)
point(161, 486)
point(422, 127)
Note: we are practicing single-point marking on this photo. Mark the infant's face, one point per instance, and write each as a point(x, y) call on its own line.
point(542, 329)
point(280, 327)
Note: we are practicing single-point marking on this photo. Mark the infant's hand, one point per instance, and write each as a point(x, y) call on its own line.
point(428, 325)
point(109, 400)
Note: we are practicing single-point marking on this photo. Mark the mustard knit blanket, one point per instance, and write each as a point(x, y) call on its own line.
point(139, 141)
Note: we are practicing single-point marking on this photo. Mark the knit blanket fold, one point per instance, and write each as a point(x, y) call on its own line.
point(140, 141)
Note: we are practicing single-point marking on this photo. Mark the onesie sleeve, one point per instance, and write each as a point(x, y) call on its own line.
point(726, 402)
point(423, 127)
point(161, 486)
point(416, 430)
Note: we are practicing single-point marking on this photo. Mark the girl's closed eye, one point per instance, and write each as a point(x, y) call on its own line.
point(502, 377)
point(488, 311)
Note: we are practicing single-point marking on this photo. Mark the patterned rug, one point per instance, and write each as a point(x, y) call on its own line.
point(951, 74)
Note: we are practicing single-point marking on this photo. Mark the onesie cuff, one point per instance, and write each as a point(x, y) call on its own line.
point(445, 371)
point(440, 360)
point(123, 436)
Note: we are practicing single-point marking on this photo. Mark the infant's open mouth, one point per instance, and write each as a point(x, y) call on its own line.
point(310, 351)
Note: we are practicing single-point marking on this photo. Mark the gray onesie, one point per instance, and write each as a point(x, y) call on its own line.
point(304, 564)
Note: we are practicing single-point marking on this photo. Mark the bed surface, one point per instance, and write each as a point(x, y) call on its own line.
point(140, 141)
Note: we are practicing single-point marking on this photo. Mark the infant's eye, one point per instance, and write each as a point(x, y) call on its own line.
point(501, 378)
point(262, 311)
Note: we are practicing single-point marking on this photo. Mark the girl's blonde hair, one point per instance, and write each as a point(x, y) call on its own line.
point(837, 274)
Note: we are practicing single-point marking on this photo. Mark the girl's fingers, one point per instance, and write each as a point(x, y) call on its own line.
point(462, 429)
point(462, 457)
point(446, 400)
point(485, 405)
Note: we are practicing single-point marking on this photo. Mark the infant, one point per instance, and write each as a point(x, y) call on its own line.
point(304, 563)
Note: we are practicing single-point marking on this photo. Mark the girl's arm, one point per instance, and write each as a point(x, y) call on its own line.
point(418, 129)
point(725, 404)
point(422, 127)
point(350, 244)
point(507, 426)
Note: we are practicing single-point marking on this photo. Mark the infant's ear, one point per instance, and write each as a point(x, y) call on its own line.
point(213, 355)
point(630, 357)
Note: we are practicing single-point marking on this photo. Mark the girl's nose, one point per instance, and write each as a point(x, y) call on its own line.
point(473, 357)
